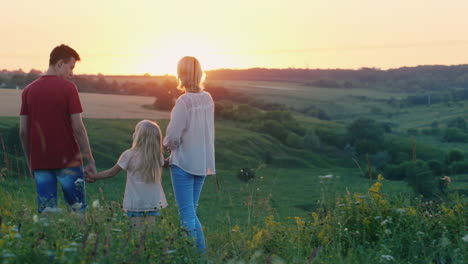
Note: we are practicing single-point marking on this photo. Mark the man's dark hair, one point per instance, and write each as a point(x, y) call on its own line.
point(63, 52)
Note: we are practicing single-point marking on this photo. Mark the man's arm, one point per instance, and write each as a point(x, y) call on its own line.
point(23, 133)
point(82, 138)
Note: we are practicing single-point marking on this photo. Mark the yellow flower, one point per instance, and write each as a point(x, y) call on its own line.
point(300, 223)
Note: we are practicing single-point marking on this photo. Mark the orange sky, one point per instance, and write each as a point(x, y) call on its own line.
point(136, 37)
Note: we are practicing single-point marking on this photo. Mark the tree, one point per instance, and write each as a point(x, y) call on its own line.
point(364, 129)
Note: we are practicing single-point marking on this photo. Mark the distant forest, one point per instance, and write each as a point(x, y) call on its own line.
point(427, 84)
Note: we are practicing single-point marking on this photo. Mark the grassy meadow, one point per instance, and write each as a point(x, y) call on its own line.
point(302, 206)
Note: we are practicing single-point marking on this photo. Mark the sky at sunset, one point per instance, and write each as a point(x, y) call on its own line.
point(139, 36)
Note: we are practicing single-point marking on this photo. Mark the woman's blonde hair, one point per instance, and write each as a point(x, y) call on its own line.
point(190, 75)
point(147, 142)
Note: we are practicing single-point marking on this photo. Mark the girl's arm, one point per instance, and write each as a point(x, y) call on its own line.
point(107, 173)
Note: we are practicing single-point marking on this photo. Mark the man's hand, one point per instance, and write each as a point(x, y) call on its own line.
point(90, 172)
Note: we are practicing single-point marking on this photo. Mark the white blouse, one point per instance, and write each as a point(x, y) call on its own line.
point(190, 134)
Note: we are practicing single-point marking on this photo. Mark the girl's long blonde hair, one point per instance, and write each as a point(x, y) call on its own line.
point(147, 142)
point(190, 75)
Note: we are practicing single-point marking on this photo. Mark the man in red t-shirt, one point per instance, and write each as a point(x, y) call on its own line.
point(53, 134)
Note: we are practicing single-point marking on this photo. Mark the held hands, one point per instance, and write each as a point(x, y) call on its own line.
point(90, 172)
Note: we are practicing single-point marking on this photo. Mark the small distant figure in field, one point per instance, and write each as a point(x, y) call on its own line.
point(144, 195)
point(52, 134)
point(190, 139)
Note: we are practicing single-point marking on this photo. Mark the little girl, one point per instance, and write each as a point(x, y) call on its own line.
point(144, 195)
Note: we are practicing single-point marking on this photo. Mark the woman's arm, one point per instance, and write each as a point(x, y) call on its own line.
point(107, 173)
point(177, 125)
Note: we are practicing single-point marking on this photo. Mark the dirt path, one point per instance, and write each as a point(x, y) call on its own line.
point(94, 105)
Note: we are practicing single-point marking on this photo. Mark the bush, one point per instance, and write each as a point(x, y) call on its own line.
point(436, 167)
point(458, 122)
point(455, 135)
point(454, 155)
point(381, 159)
point(458, 167)
point(275, 129)
point(367, 146)
point(420, 178)
point(331, 137)
point(246, 174)
point(295, 141)
point(395, 172)
point(311, 141)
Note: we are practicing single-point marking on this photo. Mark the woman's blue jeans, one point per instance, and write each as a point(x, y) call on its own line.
point(187, 189)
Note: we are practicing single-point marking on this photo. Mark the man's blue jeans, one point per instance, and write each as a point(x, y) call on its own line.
point(187, 189)
point(73, 187)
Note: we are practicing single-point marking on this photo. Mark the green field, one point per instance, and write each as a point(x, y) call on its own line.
point(286, 214)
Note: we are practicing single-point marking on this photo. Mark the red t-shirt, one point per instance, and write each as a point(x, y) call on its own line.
point(48, 102)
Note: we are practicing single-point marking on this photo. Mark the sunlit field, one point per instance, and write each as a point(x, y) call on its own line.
point(94, 105)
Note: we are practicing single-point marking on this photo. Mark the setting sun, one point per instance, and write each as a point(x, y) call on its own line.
point(163, 60)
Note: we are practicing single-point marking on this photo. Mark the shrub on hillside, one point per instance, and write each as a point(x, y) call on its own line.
point(458, 122)
point(293, 140)
point(275, 129)
point(455, 135)
point(395, 172)
point(224, 110)
point(381, 159)
point(364, 129)
point(420, 177)
point(454, 155)
point(246, 113)
point(331, 137)
point(458, 167)
point(311, 141)
point(436, 167)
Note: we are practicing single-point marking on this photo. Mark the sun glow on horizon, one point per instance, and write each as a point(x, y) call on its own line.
point(164, 59)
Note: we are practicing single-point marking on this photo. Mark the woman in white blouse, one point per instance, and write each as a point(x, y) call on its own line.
point(190, 138)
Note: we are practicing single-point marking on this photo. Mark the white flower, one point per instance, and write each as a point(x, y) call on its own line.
point(91, 236)
point(7, 254)
point(387, 257)
point(77, 206)
point(52, 210)
point(35, 218)
point(328, 176)
point(96, 204)
point(465, 238)
point(400, 210)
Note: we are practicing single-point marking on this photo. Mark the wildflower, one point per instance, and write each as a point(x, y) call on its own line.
point(52, 210)
point(35, 218)
point(387, 257)
point(328, 176)
point(235, 229)
point(465, 238)
point(384, 222)
point(400, 210)
point(7, 254)
point(91, 236)
point(77, 206)
point(96, 203)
